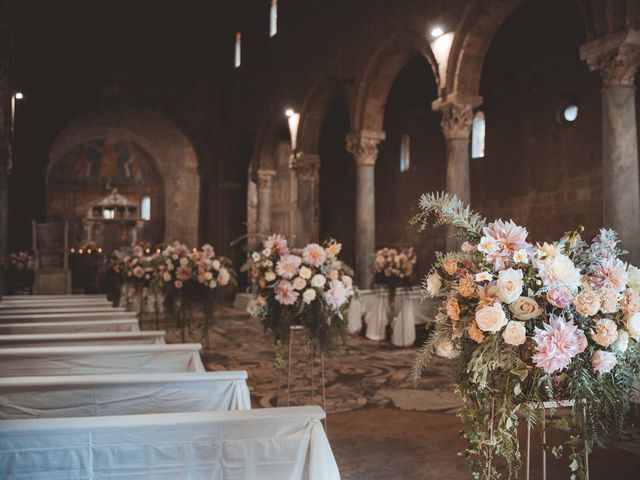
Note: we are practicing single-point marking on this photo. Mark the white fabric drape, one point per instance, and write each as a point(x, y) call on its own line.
point(354, 317)
point(266, 444)
point(148, 337)
point(404, 324)
point(128, 394)
point(39, 361)
point(70, 327)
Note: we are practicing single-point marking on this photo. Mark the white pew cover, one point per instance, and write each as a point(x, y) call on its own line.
point(127, 394)
point(65, 317)
point(264, 444)
point(59, 310)
point(41, 361)
point(147, 337)
point(127, 325)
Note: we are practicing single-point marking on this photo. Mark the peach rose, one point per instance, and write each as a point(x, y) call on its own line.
point(525, 308)
point(491, 319)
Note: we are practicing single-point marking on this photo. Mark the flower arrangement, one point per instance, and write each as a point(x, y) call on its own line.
point(309, 287)
point(19, 270)
point(139, 265)
point(393, 269)
point(191, 277)
point(529, 324)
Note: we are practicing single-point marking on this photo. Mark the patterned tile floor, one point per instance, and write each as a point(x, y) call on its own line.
point(379, 426)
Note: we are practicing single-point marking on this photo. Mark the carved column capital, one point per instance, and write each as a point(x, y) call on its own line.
point(307, 167)
point(615, 56)
point(457, 114)
point(363, 145)
point(264, 178)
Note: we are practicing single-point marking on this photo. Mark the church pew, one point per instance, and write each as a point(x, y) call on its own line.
point(59, 310)
point(93, 360)
point(127, 325)
point(265, 444)
point(146, 337)
point(12, 307)
point(66, 317)
point(26, 298)
point(127, 394)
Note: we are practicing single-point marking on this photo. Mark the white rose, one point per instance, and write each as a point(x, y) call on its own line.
point(491, 318)
point(525, 308)
point(255, 256)
point(634, 277)
point(299, 283)
point(223, 276)
point(434, 284)
point(309, 295)
point(633, 326)
point(515, 333)
point(166, 277)
point(213, 284)
point(446, 349)
point(270, 276)
point(605, 332)
point(266, 252)
point(305, 272)
point(208, 276)
point(318, 281)
point(509, 285)
point(622, 343)
point(216, 264)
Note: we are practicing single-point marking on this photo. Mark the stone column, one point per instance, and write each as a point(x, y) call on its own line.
point(363, 145)
point(457, 117)
point(617, 58)
point(264, 199)
point(307, 223)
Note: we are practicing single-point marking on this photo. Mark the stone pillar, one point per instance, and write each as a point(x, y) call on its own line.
point(617, 58)
point(307, 222)
point(457, 117)
point(264, 199)
point(363, 145)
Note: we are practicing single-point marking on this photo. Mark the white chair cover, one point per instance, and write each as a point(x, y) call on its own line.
point(128, 394)
point(40, 361)
point(65, 317)
point(354, 316)
point(264, 444)
point(404, 330)
point(377, 317)
point(70, 327)
point(147, 337)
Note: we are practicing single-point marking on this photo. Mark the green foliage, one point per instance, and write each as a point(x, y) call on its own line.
point(447, 209)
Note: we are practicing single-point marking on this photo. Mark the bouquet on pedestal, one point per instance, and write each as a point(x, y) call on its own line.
point(189, 278)
point(528, 324)
point(19, 272)
point(306, 287)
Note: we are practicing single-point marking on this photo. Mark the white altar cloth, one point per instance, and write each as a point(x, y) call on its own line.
point(127, 394)
point(65, 317)
point(71, 327)
point(146, 337)
point(408, 311)
point(264, 444)
point(40, 361)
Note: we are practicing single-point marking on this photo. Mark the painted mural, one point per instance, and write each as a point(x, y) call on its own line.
point(105, 162)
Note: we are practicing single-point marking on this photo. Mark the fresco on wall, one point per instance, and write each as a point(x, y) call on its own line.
point(105, 161)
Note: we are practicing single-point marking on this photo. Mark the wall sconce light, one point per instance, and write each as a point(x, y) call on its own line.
point(293, 119)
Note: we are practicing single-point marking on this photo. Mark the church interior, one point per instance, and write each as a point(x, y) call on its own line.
point(235, 243)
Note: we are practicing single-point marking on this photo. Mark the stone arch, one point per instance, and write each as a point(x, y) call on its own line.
point(164, 141)
point(314, 110)
point(480, 22)
point(381, 72)
point(272, 131)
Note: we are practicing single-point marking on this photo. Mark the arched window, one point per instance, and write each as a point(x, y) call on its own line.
point(273, 18)
point(405, 152)
point(477, 135)
point(145, 207)
point(237, 54)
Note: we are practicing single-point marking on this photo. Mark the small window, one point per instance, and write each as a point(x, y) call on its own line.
point(145, 207)
point(405, 153)
point(273, 18)
point(477, 135)
point(237, 56)
point(569, 113)
point(108, 214)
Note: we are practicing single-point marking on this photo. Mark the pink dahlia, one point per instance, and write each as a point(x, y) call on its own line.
point(609, 273)
point(508, 237)
point(557, 344)
point(288, 266)
point(314, 255)
point(276, 244)
point(603, 362)
point(560, 297)
point(285, 293)
point(337, 294)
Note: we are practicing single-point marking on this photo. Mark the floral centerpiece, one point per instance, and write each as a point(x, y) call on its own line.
point(393, 269)
point(309, 287)
point(529, 324)
point(191, 277)
point(19, 271)
point(139, 265)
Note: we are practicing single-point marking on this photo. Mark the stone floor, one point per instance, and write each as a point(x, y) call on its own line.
point(379, 426)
